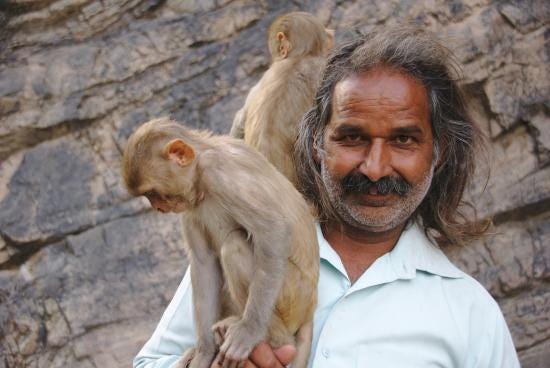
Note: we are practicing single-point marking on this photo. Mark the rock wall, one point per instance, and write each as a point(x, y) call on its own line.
point(86, 271)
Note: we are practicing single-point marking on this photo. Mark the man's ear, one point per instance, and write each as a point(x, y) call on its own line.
point(440, 154)
point(283, 44)
point(316, 156)
point(179, 152)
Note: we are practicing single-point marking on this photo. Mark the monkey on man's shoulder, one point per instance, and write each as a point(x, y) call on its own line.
point(249, 236)
point(298, 44)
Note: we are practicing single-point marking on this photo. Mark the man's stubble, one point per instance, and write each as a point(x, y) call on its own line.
point(375, 219)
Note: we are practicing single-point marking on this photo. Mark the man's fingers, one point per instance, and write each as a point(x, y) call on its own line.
point(285, 354)
point(263, 356)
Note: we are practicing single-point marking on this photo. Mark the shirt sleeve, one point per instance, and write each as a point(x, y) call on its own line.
point(492, 344)
point(503, 353)
point(174, 334)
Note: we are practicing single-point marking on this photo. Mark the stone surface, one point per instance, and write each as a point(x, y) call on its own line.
point(518, 181)
point(515, 256)
point(528, 317)
point(57, 190)
point(90, 296)
point(85, 271)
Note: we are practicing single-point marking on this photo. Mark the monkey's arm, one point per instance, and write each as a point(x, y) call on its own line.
point(206, 279)
point(270, 239)
point(237, 129)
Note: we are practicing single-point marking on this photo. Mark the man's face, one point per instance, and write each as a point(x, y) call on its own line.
point(379, 132)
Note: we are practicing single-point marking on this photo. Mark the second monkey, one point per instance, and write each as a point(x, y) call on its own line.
point(298, 44)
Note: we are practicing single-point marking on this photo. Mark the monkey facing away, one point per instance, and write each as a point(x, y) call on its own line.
point(249, 236)
point(298, 44)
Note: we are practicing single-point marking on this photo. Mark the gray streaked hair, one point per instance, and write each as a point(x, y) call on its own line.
point(456, 135)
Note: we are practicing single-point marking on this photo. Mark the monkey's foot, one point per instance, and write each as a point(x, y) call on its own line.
point(220, 328)
point(201, 360)
point(186, 358)
point(239, 340)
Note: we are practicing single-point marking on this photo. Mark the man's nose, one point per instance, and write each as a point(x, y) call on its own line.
point(376, 164)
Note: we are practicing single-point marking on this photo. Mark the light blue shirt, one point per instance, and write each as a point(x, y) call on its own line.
point(411, 308)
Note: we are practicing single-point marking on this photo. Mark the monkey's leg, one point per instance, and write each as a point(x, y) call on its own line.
point(237, 260)
point(237, 129)
point(303, 345)
point(206, 279)
point(279, 334)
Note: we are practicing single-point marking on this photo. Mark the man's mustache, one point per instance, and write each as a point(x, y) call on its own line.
point(359, 183)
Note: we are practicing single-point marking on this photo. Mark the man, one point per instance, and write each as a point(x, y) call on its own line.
point(384, 156)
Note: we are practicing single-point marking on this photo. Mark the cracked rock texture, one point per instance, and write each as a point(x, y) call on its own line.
point(86, 271)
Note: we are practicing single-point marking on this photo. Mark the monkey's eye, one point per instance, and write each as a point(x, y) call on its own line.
point(151, 194)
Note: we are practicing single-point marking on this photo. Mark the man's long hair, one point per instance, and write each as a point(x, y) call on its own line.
point(456, 136)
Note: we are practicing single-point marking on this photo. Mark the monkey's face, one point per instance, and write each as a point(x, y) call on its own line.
point(167, 182)
point(166, 203)
point(378, 148)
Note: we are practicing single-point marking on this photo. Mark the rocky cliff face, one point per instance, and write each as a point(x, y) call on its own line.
point(86, 271)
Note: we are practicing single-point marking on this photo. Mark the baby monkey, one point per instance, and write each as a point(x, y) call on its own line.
point(249, 236)
point(298, 43)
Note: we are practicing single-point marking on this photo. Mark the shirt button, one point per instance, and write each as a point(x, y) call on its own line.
point(326, 353)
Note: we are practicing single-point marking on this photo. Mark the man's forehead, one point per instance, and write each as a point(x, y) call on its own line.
point(379, 85)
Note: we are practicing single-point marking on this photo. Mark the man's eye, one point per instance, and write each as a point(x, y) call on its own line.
point(352, 138)
point(403, 139)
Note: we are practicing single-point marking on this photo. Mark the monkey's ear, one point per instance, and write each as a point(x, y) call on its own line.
point(284, 44)
point(179, 152)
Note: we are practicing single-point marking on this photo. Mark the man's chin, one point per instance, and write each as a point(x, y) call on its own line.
point(375, 217)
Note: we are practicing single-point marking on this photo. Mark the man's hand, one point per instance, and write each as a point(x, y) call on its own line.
point(263, 356)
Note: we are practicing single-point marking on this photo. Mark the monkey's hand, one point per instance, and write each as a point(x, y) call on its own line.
point(220, 329)
point(239, 340)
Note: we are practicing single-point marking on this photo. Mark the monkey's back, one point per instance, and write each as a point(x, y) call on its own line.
point(275, 106)
point(276, 200)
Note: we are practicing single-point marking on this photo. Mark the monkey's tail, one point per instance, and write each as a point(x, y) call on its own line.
point(303, 345)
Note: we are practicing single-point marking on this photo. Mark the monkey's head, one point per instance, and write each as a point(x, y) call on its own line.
point(298, 34)
point(159, 162)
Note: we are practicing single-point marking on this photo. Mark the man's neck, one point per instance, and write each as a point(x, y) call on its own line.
point(359, 248)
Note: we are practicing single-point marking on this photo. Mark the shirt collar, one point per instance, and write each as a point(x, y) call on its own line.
point(413, 252)
point(416, 251)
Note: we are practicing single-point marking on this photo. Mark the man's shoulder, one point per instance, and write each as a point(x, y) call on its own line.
point(467, 293)
point(481, 323)
point(459, 286)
